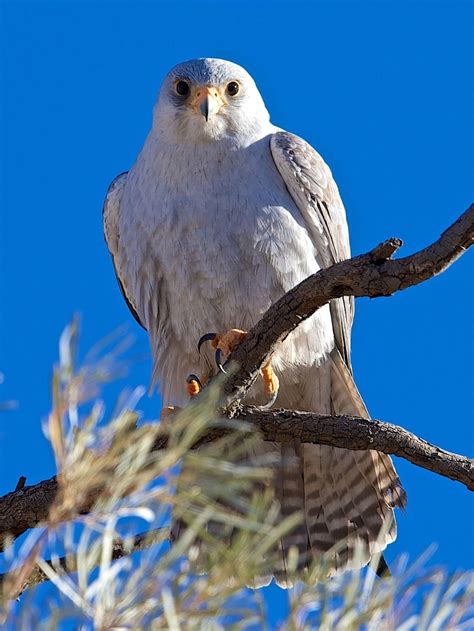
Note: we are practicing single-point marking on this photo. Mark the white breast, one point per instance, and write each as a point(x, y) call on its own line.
point(216, 239)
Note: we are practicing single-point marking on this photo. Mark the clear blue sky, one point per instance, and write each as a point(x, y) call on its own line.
point(384, 90)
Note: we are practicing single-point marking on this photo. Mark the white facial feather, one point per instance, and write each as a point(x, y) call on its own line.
point(238, 122)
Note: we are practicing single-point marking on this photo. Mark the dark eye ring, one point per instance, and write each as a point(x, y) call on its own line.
point(233, 88)
point(182, 88)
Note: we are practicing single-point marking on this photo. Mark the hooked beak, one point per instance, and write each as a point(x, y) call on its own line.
point(207, 101)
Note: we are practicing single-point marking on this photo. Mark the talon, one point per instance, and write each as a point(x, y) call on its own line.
point(224, 344)
point(270, 402)
point(194, 385)
point(218, 357)
point(207, 337)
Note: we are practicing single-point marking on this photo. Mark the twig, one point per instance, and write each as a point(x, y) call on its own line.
point(25, 509)
point(21, 483)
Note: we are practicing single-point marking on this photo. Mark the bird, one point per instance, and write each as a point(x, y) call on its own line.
point(221, 214)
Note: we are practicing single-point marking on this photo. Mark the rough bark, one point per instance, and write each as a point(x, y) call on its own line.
point(352, 432)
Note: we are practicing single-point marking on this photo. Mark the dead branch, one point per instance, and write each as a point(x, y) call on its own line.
point(352, 432)
point(276, 425)
point(21, 483)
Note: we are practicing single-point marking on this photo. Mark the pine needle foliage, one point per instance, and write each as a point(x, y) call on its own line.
point(99, 578)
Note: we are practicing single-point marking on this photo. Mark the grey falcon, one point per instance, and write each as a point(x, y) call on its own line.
point(221, 214)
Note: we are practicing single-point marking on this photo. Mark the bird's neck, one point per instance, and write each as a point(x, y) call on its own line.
point(157, 145)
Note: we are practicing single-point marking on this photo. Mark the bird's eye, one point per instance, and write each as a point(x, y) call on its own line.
point(182, 88)
point(233, 88)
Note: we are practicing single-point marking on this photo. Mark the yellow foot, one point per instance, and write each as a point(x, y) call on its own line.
point(228, 342)
point(270, 380)
point(194, 385)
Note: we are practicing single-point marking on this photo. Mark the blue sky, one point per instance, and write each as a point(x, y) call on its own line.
point(383, 90)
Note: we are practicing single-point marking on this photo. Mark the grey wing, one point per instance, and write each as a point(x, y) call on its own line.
point(110, 216)
point(311, 185)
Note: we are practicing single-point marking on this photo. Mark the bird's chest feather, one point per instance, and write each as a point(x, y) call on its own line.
point(224, 233)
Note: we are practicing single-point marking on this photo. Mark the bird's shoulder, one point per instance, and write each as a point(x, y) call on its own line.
point(312, 186)
point(111, 221)
point(302, 163)
point(111, 207)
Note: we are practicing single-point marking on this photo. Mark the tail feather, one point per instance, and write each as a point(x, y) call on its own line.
point(346, 399)
point(349, 495)
point(345, 396)
point(289, 486)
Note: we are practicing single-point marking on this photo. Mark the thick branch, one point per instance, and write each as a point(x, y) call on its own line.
point(373, 274)
point(352, 432)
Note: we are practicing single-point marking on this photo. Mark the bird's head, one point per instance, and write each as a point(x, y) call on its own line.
point(210, 100)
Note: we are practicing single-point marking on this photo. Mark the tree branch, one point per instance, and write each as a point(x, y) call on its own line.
point(352, 432)
point(281, 426)
point(372, 274)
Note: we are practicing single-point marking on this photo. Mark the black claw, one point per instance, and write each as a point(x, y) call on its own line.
point(193, 377)
point(206, 338)
point(219, 361)
point(382, 568)
point(270, 401)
